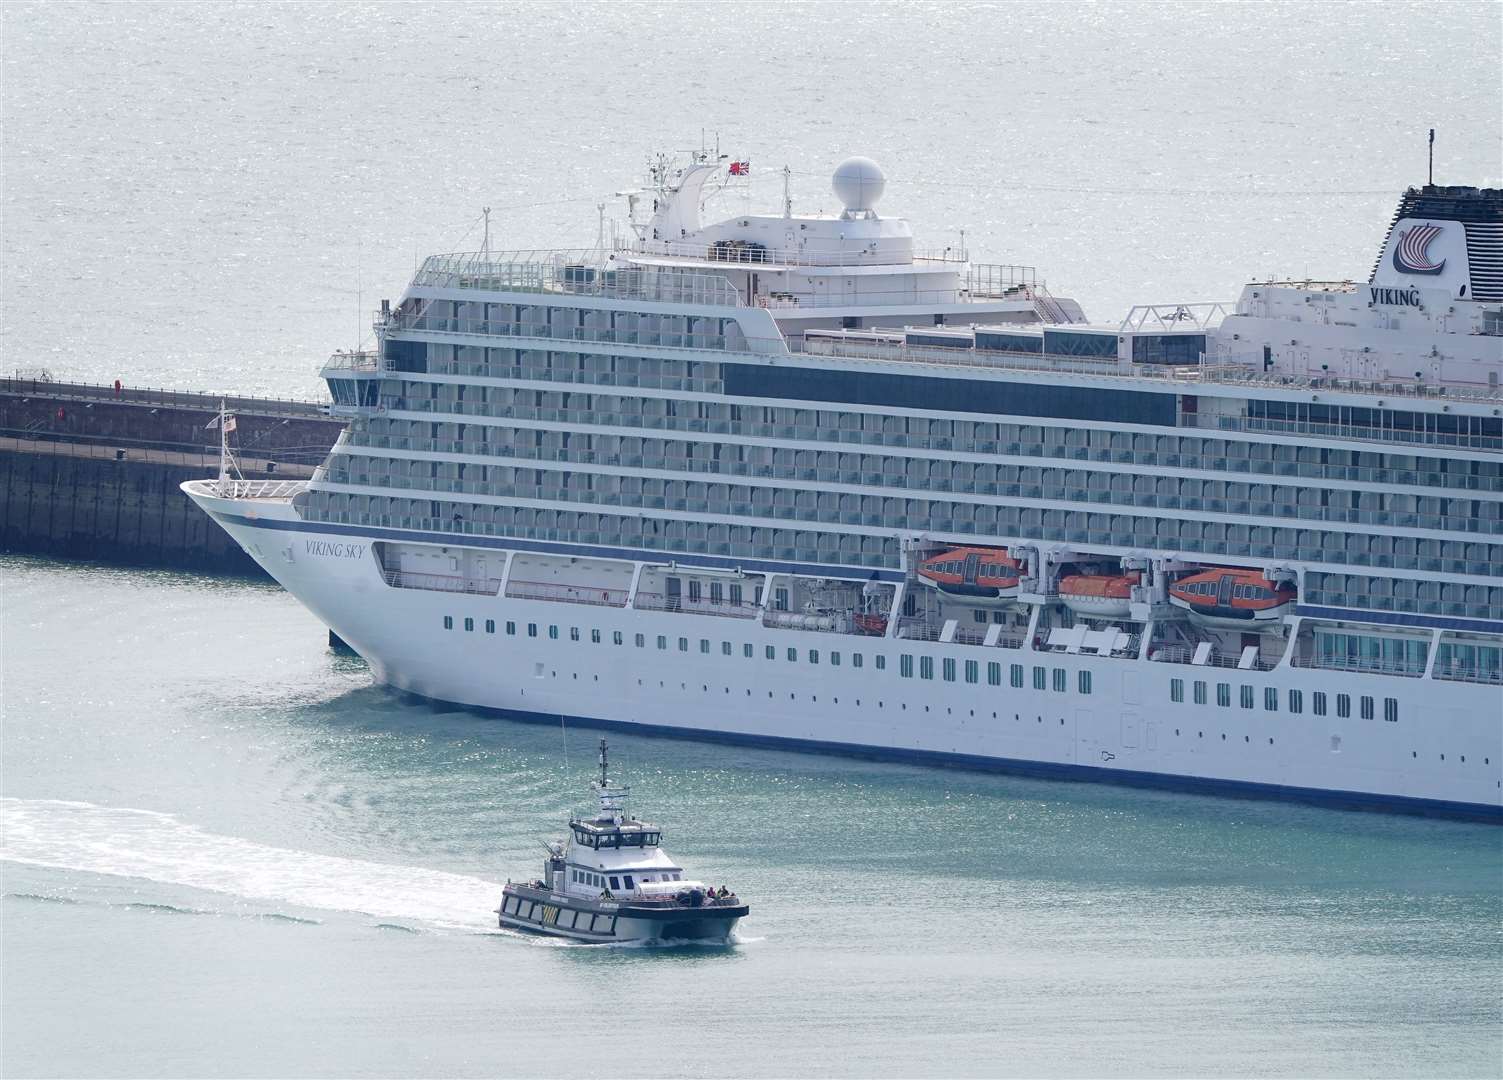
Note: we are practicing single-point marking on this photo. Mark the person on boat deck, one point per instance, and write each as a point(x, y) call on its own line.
point(605, 894)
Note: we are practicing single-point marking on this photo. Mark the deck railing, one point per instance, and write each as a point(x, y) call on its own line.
point(656, 601)
point(410, 579)
point(1175, 654)
point(566, 594)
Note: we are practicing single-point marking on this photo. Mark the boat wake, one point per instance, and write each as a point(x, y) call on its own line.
point(158, 847)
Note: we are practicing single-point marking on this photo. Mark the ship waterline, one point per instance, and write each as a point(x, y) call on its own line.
point(757, 482)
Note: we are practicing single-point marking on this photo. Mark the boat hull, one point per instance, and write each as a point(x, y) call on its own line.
point(1128, 729)
point(604, 922)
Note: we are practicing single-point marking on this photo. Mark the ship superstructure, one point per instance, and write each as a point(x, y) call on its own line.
point(789, 478)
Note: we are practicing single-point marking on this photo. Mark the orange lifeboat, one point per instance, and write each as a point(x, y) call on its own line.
point(1227, 599)
point(974, 575)
point(1101, 596)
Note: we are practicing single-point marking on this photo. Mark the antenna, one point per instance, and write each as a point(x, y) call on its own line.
point(787, 197)
point(1432, 158)
point(485, 245)
point(604, 764)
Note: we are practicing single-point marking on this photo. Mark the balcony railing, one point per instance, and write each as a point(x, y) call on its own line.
point(1175, 654)
point(656, 601)
point(1358, 664)
point(566, 594)
point(580, 273)
point(448, 583)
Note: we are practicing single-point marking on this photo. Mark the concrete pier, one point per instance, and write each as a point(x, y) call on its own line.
point(87, 472)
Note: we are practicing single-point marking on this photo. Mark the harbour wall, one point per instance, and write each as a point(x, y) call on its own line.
point(89, 472)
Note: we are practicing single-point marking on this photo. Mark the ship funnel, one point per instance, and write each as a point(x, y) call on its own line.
point(1445, 238)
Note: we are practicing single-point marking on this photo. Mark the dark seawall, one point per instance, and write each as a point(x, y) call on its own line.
point(89, 473)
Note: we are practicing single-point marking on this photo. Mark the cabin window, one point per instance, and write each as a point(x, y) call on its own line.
point(553, 632)
point(1224, 695)
point(834, 659)
point(1318, 702)
point(1245, 698)
point(1391, 710)
point(771, 652)
point(1343, 705)
point(725, 648)
point(1271, 698)
point(993, 674)
point(1015, 676)
point(947, 668)
point(704, 645)
point(813, 656)
point(926, 667)
point(1177, 690)
point(662, 642)
point(1296, 701)
point(532, 629)
point(748, 651)
point(1040, 678)
point(1200, 691)
point(573, 633)
point(792, 655)
point(1084, 682)
point(511, 627)
point(1367, 707)
point(469, 624)
point(735, 593)
point(627, 878)
point(856, 659)
point(448, 622)
point(683, 644)
point(780, 599)
point(905, 666)
point(490, 626)
point(881, 662)
point(1059, 680)
point(617, 638)
point(715, 592)
point(595, 637)
point(640, 640)
point(978, 616)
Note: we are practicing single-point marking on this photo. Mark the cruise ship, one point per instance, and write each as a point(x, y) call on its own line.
point(792, 479)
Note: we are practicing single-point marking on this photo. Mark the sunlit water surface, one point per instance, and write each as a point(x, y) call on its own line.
point(227, 853)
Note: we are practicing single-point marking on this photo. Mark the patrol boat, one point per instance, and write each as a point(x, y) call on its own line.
point(611, 881)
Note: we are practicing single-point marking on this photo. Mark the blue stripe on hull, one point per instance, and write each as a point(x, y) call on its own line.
point(1342, 800)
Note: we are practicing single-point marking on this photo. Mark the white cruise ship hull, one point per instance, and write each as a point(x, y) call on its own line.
point(1436, 758)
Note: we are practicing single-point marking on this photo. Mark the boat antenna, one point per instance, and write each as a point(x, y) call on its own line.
point(485, 244)
point(1432, 158)
point(604, 764)
point(787, 197)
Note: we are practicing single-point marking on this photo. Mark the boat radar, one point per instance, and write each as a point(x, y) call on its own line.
point(858, 184)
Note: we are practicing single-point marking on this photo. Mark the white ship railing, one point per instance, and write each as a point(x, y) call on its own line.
point(757, 255)
point(1175, 654)
point(1490, 676)
point(408, 579)
point(656, 601)
point(279, 490)
point(1356, 664)
point(566, 594)
point(577, 272)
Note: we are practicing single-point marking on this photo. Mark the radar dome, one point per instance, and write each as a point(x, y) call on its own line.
point(858, 183)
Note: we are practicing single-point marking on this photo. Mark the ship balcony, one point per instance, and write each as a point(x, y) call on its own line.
point(354, 380)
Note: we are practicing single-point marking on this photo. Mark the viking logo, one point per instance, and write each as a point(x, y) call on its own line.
point(1409, 253)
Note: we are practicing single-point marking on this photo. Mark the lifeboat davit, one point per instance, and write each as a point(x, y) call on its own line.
point(1227, 599)
point(979, 576)
point(1099, 596)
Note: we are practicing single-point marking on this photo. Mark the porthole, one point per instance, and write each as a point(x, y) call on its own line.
point(1270, 742)
point(1247, 738)
point(1200, 734)
point(1223, 736)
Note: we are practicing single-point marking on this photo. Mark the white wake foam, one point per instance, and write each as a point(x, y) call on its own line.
point(159, 847)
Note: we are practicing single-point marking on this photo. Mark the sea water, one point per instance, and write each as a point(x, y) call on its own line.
point(225, 852)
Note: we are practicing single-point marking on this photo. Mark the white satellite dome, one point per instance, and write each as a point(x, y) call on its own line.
point(858, 184)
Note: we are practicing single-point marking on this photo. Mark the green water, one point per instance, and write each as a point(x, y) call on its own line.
point(227, 853)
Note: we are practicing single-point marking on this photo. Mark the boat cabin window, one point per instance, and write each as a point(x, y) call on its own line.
point(615, 883)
